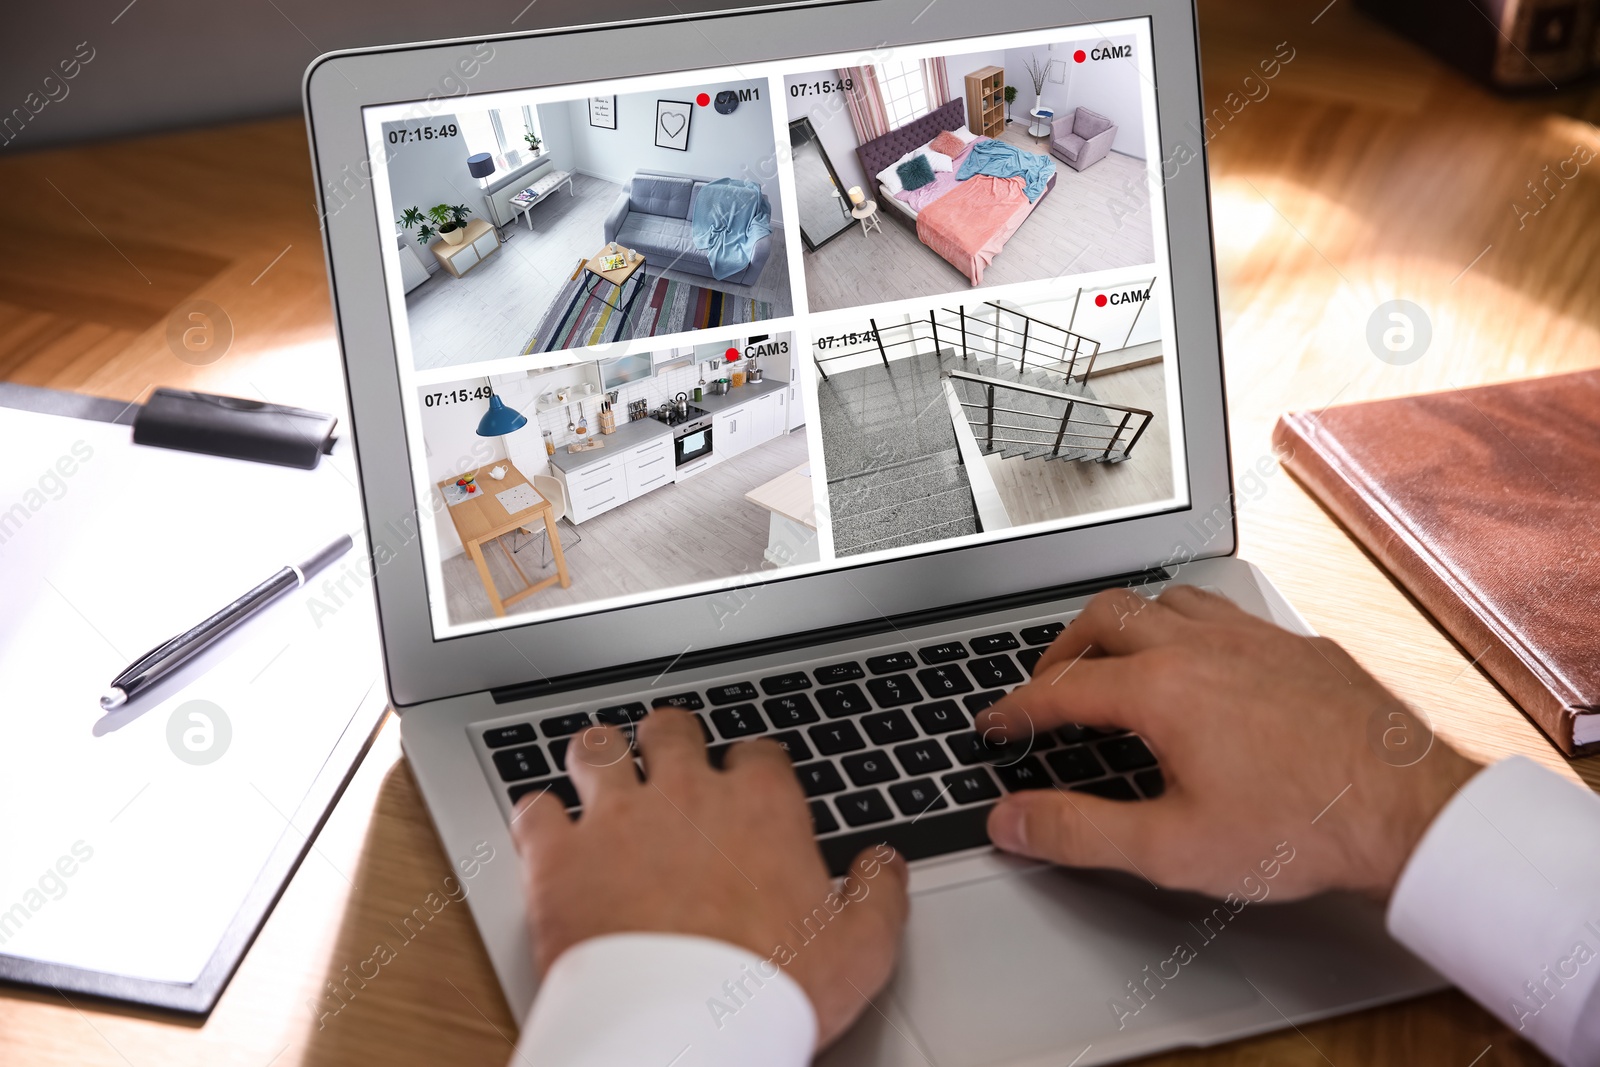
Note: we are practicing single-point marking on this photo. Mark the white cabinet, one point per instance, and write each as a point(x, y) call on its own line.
point(598, 487)
point(730, 431)
point(764, 418)
point(648, 467)
point(750, 424)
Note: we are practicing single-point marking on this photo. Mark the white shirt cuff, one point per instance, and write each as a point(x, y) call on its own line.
point(1502, 896)
point(660, 999)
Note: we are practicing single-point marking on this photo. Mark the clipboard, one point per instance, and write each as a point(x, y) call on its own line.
point(351, 737)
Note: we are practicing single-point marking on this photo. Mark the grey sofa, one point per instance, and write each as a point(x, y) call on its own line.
point(1081, 137)
point(652, 215)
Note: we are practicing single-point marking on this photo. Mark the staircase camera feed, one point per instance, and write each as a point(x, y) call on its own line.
point(991, 417)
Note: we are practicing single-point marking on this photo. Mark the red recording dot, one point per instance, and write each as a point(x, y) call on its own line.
point(703, 99)
point(1100, 301)
point(731, 354)
point(1079, 56)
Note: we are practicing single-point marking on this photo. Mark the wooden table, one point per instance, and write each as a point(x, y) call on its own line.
point(482, 518)
point(1367, 172)
point(478, 241)
point(792, 528)
point(617, 276)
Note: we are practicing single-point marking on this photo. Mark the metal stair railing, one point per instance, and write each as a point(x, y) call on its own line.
point(990, 408)
point(1023, 343)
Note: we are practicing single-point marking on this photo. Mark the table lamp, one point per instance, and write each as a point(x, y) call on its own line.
point(480, 165)
point(500, 419)
point(857, 197)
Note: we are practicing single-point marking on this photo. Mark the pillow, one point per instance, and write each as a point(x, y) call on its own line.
point(947, 144)
point(915, 172)
point(964, 135)
point(937, 160)
point(891, 180)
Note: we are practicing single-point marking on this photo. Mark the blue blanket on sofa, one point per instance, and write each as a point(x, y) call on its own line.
point(1000, 160)
point(730, 216)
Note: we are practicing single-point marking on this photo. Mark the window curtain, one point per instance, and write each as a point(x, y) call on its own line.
point(865, 103)
point(935, 82)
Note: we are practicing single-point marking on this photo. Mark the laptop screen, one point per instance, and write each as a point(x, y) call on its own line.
point(686, 332)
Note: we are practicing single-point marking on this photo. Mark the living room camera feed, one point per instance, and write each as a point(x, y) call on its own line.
point(542, 227)
point(915, 177)
point(988, 416)
point(608, 478)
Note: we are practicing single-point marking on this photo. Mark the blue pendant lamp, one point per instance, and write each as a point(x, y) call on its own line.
point(500, 419)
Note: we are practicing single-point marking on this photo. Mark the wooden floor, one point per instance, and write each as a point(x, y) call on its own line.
point(492, 310)
point(1074, 229)
point(1038, 490)
point(698, 530)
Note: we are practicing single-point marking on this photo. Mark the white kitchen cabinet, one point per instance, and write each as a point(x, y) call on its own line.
point(764, 418)
point(648, 469)
point(596, 489)
point(730, 431)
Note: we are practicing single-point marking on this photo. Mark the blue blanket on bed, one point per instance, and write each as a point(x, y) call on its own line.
point(730, 216)
point(1000, 160)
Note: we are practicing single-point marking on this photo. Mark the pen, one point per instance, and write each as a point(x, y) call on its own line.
point(168, 656)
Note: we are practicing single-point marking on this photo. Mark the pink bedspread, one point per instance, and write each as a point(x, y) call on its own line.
point(971, 223)
point(943, 182)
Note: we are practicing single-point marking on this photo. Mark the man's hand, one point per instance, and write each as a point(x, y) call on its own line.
point(724, 854)
point(1265, 737)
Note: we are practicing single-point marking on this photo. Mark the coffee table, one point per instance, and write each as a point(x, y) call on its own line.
point(615, 277)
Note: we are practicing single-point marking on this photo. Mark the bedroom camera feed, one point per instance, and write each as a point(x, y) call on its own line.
point(989, 416)
point(536, 227)
point(604, 479)
point(921, 176)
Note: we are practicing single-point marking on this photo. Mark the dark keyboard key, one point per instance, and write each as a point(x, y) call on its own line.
point(893, 691)
point(822, 820)
point(940, 717)
point(992, 643)
point(888, 664)
point(794, 710)
point(832, 738)
point(717, 755)
point(1042, 635)
point(686, 701)
point(1151, 783)
point(517, 763)
point(819, 778)
point(785, 683)
point(561, 787)
point(622, 714)
point(970, 786)
point(841, 700)
point(1126, 753)
point(936, 834)
point(519, 733)
point(914, 798)
point(947, 681)
point(971, 747)
point(968, 747)
point(731, 693)
point(945, 653)
point(1075, 764)
point(741, 720)
point(869, 768)
point(976, 702)
point(863, 808)
point(888, 727)
point(1025, 773)
point(922, 757)
point(795, 745)
point(994, 672)
point(565, 725)
point(1110, 788)
point(558, 752)
point(1073, 733)
point(1029, 658)
point(705, 731)
point(835, 673)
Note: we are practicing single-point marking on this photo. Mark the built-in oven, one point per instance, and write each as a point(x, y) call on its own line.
point(691, 441)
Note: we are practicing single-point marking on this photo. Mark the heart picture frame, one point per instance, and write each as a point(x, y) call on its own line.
point(672, 124)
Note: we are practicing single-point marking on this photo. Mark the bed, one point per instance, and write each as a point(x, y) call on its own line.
point(967, 222)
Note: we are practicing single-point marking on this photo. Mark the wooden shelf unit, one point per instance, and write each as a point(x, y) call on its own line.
point(986, 101)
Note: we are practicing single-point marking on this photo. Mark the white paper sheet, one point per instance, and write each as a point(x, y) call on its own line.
point(116, 854)
point(517, 498)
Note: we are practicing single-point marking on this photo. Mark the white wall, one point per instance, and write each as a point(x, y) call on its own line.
point(450, 436)
point(1110, 86)
point(831, 121)
point(956, 69)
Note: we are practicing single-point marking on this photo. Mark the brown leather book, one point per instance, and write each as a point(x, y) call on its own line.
point(1485, 505)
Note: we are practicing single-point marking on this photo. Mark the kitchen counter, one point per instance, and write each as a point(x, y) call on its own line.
point(742, 395)
point(628, 435)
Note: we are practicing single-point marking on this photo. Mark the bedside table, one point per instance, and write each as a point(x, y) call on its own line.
point(480, 241)
point(867, 215)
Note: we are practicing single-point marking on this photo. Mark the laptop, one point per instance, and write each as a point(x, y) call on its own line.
point(809, 367)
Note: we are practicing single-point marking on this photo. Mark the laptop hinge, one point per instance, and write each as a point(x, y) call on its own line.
point(655, 668)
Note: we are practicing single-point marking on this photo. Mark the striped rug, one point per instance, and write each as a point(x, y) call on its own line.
point(579, 317)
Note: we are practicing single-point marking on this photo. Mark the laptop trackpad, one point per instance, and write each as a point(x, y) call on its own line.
point(1041, 961)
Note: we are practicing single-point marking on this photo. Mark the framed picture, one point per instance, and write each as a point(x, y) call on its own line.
point(672, 124)
point(603, 112)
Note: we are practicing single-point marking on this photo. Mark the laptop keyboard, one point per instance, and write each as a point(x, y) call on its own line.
point(884, 745)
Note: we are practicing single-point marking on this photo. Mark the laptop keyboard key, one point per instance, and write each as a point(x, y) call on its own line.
point(519, 733)
point(970, 786)
point(1126, 753)
point(914, 798)
point(565, 725)
point(842, 700)
point(976, 702)
point(686, 701)
point(1042, 635)
point(795, 745)
point(944, 653)
point(558, 752)
point(1110, 788)
point(518, 763)
point(785, 683)
point(741, 720)
point(922, 757)
point(869, 768)
point(561, 787)
point(864, 808)
point(622, 714)
point(893, 691)
point(994, 672)
point(717, 755)
point(888, 664)
point(822, 820)
point(1076, 764)
point(935, 834)
point(968, 747)
point(946, 681)
point(992, 643)
point(835, 673)
point(832, 738)
point(1025, 773)
point(819, 778)
point(796, 710)
point(940, 717)
point(1029, 658)
point(1151, 783)
point(888, 727)
point(731, 693)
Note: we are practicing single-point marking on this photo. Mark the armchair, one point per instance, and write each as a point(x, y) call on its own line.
point(1081, 137)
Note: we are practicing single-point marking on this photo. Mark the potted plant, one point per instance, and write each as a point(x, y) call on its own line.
point(442, 220)
point(1011, 98)
point(533, 141)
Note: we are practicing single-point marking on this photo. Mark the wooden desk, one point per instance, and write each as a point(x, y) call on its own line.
point(792, 528)
point(1367, 172)
point(482, 518)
